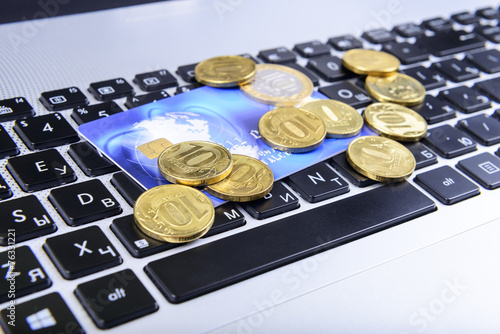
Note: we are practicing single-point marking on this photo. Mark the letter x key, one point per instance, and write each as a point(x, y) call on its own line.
point(81, 252)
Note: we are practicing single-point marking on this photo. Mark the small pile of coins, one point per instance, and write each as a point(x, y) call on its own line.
point(179, 213)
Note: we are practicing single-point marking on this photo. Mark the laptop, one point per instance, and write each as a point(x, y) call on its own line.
point(419, 256)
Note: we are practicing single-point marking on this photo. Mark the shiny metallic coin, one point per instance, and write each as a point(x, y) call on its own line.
point(396, 88)
point(370, 62)
point(250, 179)
point(381, 159)
point(174, 213)
point(195, 163)
point(395, 121)
point(278, 85)
point(292, 129)
point(225, 71)
point(341, 120)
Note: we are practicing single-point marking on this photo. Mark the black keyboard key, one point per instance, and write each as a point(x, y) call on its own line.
point(466, 99)
point(484, 129)
point(279, 55)
point(227, 217)
point(279, 200)
point(345, 42)
point(491, 33)
point(7, 146)
point(128, 188)
point(95, 111)
point(329, 68)
point(186, 72)
point(449, 142)
point(84, 202)
point(81, 252)
point(409, 30)
point(15, 108)
point(61, 99)
point(40, 170)
point(489, 13)
point(483, 168)
point(379, 36)
point(137, 243)
point(490, 87)
point(26, 217)
point(115, 299)
point(438, 24)
point(457, 70)
point(155, 80)
point(240, 256)
point(44, 315)
point(39, 132)
point(90, 161)
point(348, 93)
point(339, 162)
point(186, 88)
point(311, 49)
point(20, 273)
point(5, 191)
point(428, 77)
point(111, 89)
point(434, 110)
point(314, 79)
point(447, 185)
point(450, 42)
point(423, 155)
point(496, 114)
point(406, 52)
point(317, 183)
point(139, 100)
point(487, 61)
point(465, 18)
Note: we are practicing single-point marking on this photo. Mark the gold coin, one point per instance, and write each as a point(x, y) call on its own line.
point(250, 179)
point(225, 71)
point(341, 120)
point(292, 129)
point(370, 62)
point(278, 85)
point(395, 121)
point(195, 163)
point(397, 88)
point(174, 213)
point(381, 159)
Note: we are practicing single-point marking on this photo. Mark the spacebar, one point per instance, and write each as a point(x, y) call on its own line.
point(215, 265)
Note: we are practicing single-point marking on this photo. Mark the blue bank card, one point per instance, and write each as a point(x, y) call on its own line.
point(224, 116)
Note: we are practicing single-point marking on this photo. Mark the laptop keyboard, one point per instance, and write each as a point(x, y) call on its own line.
point(462, 52)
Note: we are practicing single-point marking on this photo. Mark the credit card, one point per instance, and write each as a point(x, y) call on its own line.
point(133, 139)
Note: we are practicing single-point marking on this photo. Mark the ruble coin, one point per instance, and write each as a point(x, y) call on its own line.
point(225, 71)
point(380, 159)
point(195, 163)
point(341, 120)
point(395, 121)
point(396, 88)
point(278, 85)
point(249, 180)
point(174, 213)
point(292, 129)
point(370, 62)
